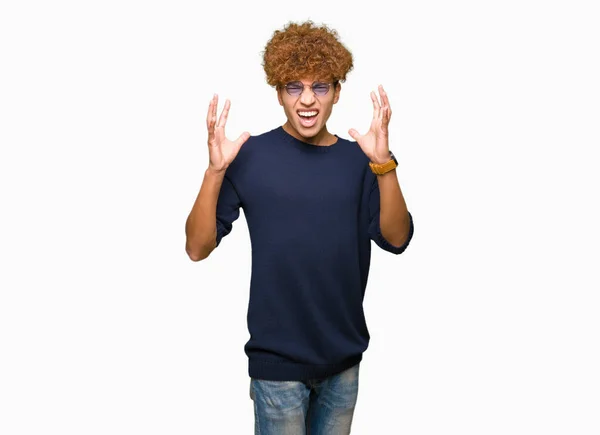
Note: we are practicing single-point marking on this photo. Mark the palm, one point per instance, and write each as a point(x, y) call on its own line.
point(375, 143)
point(220, 148)
point(222, 151)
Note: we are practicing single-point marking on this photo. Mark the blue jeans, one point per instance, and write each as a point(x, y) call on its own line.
point(314, 407)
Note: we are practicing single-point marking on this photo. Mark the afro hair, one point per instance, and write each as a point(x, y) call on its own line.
point(305, 50)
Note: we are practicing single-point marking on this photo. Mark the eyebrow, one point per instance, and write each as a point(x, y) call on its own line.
point(316, 81)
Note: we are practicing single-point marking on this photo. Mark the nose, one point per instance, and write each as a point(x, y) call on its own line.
point(308, 96)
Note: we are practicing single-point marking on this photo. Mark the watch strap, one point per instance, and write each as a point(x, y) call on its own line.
point(382, 168)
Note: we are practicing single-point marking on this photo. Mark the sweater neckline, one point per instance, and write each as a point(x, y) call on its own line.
point(305, 145)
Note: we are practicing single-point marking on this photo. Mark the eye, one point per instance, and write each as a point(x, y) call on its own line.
point(320, 87)
point(294, 86)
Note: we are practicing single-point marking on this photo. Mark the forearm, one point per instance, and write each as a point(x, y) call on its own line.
point(201, 224)
point(393, 213)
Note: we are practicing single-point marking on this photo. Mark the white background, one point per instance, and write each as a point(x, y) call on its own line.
point(487, 324)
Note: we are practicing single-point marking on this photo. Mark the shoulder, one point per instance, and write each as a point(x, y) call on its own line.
point(359, 161)
point(354, 155)
point(257, 143)
point(354, 149)
point(251, 152)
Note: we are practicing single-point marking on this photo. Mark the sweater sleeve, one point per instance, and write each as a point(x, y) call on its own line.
point(374, 224)
point(228, 209)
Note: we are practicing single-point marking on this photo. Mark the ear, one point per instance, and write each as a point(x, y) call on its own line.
point(279, 95)
point(338, 89)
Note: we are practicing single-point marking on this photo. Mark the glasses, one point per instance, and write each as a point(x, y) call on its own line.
point(295, 89)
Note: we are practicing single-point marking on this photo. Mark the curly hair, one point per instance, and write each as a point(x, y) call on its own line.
point(304, 50)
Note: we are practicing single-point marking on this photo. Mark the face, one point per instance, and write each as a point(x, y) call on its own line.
point(310, 128)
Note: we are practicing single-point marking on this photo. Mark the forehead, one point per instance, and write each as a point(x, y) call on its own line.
point(311, 80)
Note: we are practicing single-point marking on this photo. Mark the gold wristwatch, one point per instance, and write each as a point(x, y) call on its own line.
point(382, 168)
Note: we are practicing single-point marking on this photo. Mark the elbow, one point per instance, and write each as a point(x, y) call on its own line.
point(198, 253)
point(196, 257)
point(394, 243)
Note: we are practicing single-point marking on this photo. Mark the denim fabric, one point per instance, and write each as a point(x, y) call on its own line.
point(311, 407)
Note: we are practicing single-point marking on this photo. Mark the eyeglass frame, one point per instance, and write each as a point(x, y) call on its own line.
point(329, 84)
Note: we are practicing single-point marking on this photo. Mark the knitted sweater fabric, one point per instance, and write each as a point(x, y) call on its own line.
point(312, 212)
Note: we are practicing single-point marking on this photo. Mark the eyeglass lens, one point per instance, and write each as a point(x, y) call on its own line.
point(296, 88)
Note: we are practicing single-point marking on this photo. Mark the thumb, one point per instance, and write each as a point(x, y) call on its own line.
point(354, 134)
point(243, 138)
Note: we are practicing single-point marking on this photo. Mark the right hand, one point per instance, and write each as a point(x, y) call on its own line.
point(221, 150)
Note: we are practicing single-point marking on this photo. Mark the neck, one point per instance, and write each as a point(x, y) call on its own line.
point(322, 138)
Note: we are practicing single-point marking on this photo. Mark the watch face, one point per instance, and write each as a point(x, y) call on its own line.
point(393, 157)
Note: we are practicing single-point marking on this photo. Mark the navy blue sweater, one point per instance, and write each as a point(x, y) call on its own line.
point(312, 212)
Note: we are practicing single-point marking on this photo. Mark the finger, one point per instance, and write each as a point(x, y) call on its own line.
point(209, 115)
point(242, 139)
point(354, 134)
point(214, 109)
point(382, 107)
point(385, 103)
point(376, 107)
point(385, 120)
point(224, 114)
point(210, 120)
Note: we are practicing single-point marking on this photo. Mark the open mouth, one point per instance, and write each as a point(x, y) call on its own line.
point(308, 118)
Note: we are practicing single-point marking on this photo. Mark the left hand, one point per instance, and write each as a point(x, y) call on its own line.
point(374, 143)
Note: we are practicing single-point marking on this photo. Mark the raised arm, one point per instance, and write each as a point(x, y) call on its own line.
point(201, 224)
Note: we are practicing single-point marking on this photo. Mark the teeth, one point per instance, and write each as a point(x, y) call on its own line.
point(313, 113)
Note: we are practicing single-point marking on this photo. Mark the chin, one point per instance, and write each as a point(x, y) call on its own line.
point(308, 131)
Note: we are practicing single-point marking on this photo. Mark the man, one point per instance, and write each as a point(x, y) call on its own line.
point(313, 202)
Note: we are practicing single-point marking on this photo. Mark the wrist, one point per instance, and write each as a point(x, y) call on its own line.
point(383, 167)
point(380, 161)
point(382, 157)
point(389, 174)
point(212, 172)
